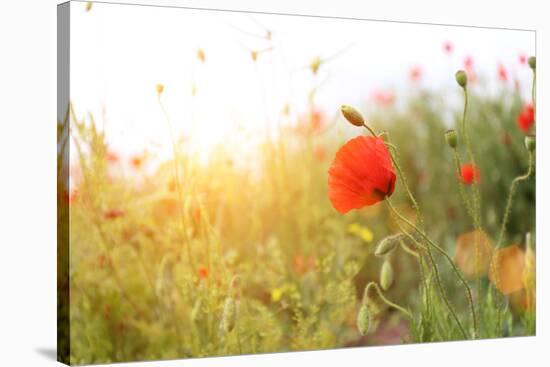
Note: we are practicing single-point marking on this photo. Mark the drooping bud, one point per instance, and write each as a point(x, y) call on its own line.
point(461, 78)
point(530, 143)
point(353, 116)
point(363, 320)
point(160, 89)
point(532, 61)
point(88, 6)
point(229, 316)
point(386, 275)
point(387, 245)
point(451, 138)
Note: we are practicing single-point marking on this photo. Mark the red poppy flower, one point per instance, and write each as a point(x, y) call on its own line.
point(468, 62)
point(382, 98)
point(469, 174)
point(448, 47)
point(111, 157)
point(361, 174)
point(113, 213)
point(469, 69)
point(526, 118)
point(203, 273)
point(502, 73)
point(312, 123)
point(415, 74)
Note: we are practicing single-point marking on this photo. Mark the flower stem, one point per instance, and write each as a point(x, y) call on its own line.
point(178, 188)
point(444, 253)
point(438, 281)
point(388, 302)
point(509, 201)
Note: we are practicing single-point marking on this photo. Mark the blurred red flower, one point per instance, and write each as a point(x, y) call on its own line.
point(111, 157)
point(138, 160)
point(468, 62)
point(522, 59)
point(526, 118)
point(469, 174)
point(448, 47)
point(502, 73)
point(382, 98)
point(312, 123)
point(469, 69)
point(203, 273)
point(113, 213)
point(320, 153)
point(415, 74)
point(361, 174)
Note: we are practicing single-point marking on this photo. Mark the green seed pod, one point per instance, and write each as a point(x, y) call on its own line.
point(363, 320)
point(451, 138)
point(461, 78)
point(387, 245)
point(353, 116)
point(386, 275)
point(532, 61)
point(229, 316)
point(530, 143)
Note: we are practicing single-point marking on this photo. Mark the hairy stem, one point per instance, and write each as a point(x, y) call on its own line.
point(447, 257)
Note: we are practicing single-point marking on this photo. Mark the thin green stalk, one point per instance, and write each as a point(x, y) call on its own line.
point(444, 253)
point(387, 301)
point(439, 283)
point(509, 201)
point(178, 188)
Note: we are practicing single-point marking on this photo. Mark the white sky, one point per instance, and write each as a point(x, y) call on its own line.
point(120, 52)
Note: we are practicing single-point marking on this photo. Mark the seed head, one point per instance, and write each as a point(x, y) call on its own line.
point(532, 61)
point(530, 143)
point(353, 116)
point(386, 275)
point(461, 78)
point(451, 138)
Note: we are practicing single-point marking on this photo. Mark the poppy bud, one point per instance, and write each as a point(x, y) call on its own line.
point(530, 143)
point(451, 138)
point(315, 63)
point(363, 320)
point(160, 89)
point(88, 6)
point(229, 316)
point(532, 61)
point(387, 245)
point(461, 78)
point(353, 116)
point(386, 275)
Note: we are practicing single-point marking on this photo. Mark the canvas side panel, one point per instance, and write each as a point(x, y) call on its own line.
point(63, 193)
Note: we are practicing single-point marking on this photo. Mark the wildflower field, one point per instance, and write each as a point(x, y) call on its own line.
point(407, 218)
